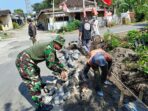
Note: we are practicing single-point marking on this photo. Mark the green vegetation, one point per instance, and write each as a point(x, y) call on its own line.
point(73, 25)
point(19, 12)
point(16, 25)
point(0, 27)
point(112, 41)
point(140, 7)
point(3, 35)
point(45, 4)
point(132, 37)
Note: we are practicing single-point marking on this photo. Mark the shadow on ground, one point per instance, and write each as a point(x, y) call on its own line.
point(141, 24)
point(25, 92)
point(8, 107)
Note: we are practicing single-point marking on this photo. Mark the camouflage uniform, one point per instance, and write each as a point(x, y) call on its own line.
point(27, 61)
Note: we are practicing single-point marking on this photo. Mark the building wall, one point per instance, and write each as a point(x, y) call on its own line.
point(6, 22)
point(47, 22)
point(58, 25)
point(43, 20)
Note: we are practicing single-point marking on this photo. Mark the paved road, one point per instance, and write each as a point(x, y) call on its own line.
point(12, 91)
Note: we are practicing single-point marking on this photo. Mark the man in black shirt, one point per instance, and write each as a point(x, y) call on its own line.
point(85, 34)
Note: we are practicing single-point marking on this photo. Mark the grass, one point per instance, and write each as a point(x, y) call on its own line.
point(3, 35)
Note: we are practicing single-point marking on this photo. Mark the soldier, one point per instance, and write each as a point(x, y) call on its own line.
point(26, 64)
point(98, 59)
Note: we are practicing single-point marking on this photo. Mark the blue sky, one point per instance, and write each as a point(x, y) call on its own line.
point(15, 4)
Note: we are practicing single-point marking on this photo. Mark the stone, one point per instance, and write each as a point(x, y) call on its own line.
point(67, 95)
point(75, 56)
point(47, 99)
point(133, 106)
point(58, 100)
point(57, 108)
point(86, 94)
point(70, 63)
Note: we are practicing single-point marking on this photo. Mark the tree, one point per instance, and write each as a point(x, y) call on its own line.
point(19, 12)
point(36, 7)
point(45, 4)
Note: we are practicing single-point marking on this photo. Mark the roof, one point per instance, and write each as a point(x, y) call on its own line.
point(76, 3)
point(4, 12)
point(49, 10)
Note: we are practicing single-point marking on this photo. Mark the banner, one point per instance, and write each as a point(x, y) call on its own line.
point(64, 7)
point(94, 11)
point(107, 2)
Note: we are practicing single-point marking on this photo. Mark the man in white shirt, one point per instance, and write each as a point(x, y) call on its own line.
point(95, 34)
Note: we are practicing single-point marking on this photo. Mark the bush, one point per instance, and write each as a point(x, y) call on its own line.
point(73, 25)
point(133, 35)
point(16, 25)
point(1, 27)
point(112, 40)
point(139, 16)
point(143, 61)
point(62, 29)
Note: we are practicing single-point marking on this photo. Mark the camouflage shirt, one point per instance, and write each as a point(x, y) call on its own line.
point(45, 52)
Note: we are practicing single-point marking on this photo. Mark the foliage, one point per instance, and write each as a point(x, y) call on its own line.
point(16, 25)
point(140, 7)
point(133, 35)
point(3, 35)
point(143, 61)
point(44, 5)
point(0, 27)
point(114, 41)
point(111, 40)
point(141, 50)
point(19, 12)
point(73, 25)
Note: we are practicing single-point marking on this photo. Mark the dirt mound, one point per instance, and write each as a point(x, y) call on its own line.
point(126, 69)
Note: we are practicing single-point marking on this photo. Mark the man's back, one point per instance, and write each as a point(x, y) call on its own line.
point(31, 30)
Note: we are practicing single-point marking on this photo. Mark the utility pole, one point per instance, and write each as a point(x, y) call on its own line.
point(28, 6)
point(53, 13)
point(95, 3)
point(84, 8)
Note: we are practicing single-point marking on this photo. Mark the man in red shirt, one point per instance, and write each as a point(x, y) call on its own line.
point(98, 59)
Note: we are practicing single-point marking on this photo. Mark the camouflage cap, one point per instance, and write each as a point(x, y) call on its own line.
point(60, 40)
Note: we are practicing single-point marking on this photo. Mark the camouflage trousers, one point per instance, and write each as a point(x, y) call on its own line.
point(30, 74)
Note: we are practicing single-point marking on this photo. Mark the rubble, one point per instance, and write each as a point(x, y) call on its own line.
point(72, 96)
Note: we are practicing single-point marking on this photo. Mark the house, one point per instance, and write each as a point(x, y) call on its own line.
point(5, 20)
point(45, 19)
point(61, 18)
point(18, 19)
point(75, 9)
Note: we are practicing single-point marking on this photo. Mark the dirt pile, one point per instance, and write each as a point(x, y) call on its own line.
point(126, 69)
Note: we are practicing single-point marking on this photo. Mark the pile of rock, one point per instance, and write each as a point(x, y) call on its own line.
point(71, 96)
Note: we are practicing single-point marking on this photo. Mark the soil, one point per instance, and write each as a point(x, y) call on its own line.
point(125, 68)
